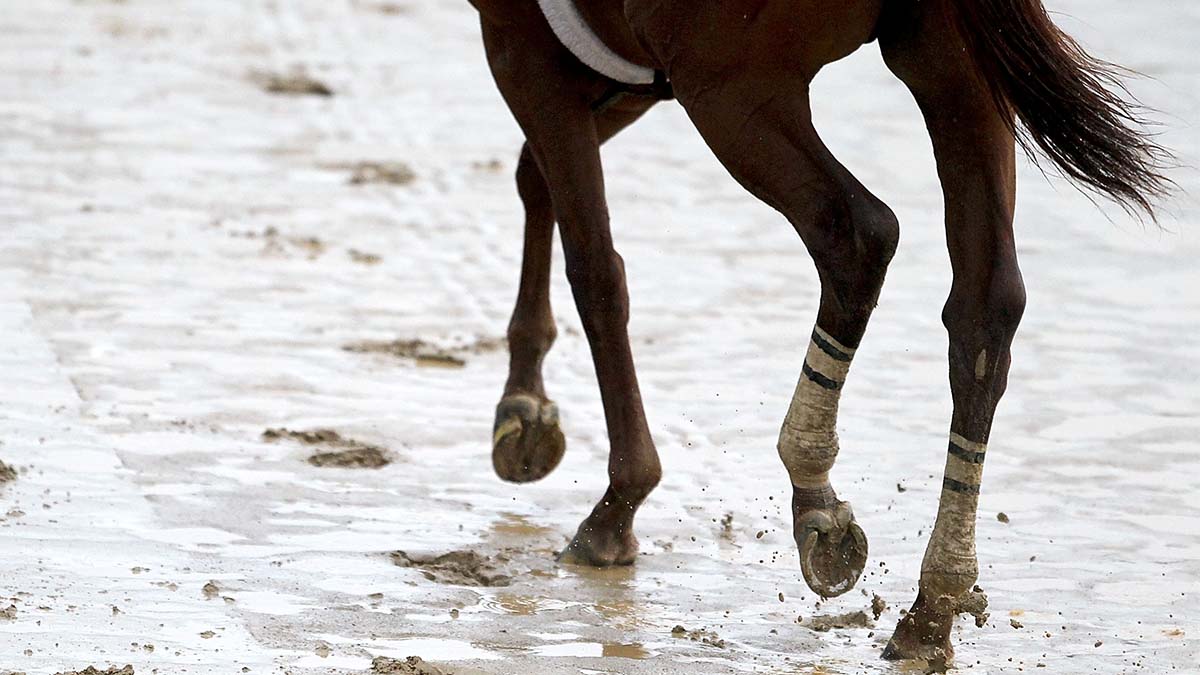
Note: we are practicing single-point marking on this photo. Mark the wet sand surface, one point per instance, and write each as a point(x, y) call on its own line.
point(190, 248)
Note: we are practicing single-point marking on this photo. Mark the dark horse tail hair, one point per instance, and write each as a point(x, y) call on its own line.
point(1070, 104)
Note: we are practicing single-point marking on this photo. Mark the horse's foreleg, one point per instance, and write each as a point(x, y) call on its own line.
point(551, 96)
point(975, 156)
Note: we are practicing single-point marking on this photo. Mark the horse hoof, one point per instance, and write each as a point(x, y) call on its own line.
point(923, 635)
point(833, 550)
point(527, 443)
point(590, 550)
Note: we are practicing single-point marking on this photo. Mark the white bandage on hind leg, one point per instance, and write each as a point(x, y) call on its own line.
point(950, 565)
point(808, 441)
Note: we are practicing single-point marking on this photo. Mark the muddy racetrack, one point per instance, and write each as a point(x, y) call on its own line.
point(298, 217)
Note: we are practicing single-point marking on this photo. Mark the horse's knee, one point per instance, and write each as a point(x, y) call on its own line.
point(981, 319)
point(853, 240)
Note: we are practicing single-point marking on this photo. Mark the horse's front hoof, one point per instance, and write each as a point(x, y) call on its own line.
point(833, 549)
point(527, 443)
point(598, 548)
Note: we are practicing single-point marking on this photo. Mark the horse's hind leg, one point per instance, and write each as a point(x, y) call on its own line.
point(551, 97)
point(763, 134)
point(975, 152)
point(527, 443)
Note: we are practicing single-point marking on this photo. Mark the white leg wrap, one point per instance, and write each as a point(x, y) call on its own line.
point(950, 557)
point(808, 441)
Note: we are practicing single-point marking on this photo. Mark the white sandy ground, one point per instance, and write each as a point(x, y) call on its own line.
point(146, 342)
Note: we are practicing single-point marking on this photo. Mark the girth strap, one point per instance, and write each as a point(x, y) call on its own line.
point(577, 36)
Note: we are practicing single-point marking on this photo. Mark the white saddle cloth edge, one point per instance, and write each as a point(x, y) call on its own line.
point(577, 36)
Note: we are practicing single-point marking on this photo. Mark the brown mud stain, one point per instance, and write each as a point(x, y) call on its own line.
point(458, 568)
point(381, 173)
point(627, 651)
point(727, 527)
point(295, 83)
point(92, 670)
point(826, 622)
point(7, 473)
point(425, 353)
point(701, 635)
point(9, 613)
point(342, 453)
point(364, 258)
point(413, 665)
point(210, 591)
point(385, 8)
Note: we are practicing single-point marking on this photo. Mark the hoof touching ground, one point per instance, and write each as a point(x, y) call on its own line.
point(595, 547)
point(527, 443)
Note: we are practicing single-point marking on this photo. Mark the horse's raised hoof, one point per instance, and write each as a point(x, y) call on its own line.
point(527, 443)
point(833, 549)
point(594, 547)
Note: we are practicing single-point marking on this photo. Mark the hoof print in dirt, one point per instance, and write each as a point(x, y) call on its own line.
point(413, 665)
point(457, 568)
point(424, 353)
point(342, 453)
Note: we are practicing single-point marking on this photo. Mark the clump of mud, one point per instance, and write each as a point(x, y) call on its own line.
point(9, 613)
point(426, 353)
point(386, 173)
point(878, 606)
point(459, 568)
point(701, 635)
point(275, 245)
point(7, 473)
point(827, 622)
point(344, 453)
point(91, 670)
point(295, 83)
point(413, 665)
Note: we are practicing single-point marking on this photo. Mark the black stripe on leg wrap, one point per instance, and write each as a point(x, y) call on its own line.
point(825, 382)
point(961, 488)
point(827, 347)
point(969, 456)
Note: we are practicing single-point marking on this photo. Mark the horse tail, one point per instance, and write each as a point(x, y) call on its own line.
point(1071, 105)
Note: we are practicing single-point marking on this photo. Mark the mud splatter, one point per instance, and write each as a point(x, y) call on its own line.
point(92, 670)
point(296, 83)
point(344, 453)
point(1002, 517)
point(413, 665)
point(210, 591)
point(459, 568)
point(826, 622)
point(878, 606)
point(701, 635)
point(425, 353)
point(7, 473)
point(9, 613)
point(385, 173)
point(727, 526)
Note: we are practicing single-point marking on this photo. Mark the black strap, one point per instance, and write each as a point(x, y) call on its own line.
point(659, 90)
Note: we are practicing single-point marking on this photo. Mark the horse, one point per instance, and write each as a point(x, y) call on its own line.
point(987, 75)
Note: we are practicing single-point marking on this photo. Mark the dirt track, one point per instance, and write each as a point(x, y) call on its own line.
point(190, 243)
